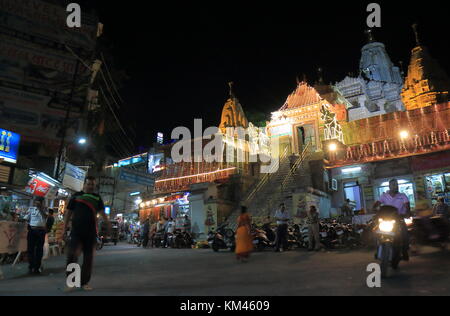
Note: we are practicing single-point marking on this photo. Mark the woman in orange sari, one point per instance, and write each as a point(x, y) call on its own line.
point(244, 241)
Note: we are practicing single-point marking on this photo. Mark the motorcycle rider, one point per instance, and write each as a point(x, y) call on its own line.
point(401, 202)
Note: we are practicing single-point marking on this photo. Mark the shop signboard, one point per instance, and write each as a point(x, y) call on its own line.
point(30, 115)
point(9, 144)
point(136, 177)
point(73, 177)
point(38, 187)
point(13, 237)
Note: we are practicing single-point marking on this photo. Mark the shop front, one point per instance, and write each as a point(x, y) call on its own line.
point(174, 206)
point(432, 176)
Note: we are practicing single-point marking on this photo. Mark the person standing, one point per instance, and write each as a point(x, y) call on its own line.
point(244, 243)
point(401, 202)
point(441, 209)
point(187, 224)
point(82, 211)
point(313, 227)
point(36, 217)
point(145, 233)
point(346, 208)
point(170, 226)
point(282, 217)
point(50, 221)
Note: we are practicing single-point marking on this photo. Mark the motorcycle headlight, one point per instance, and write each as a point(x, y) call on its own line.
point(408, 221)
point(386, 226)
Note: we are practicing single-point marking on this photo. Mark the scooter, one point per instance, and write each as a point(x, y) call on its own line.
point(223, 238)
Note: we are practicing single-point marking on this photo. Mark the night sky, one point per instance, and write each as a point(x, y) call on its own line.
point(180, 57)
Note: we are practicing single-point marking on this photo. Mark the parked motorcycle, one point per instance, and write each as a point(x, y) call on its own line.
point(260, 239)
point(223, 238)
point(182, 240)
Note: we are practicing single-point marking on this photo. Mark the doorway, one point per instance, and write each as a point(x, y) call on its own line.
point(352, 191)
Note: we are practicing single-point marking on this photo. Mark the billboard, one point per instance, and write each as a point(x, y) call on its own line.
point(38, 187)
point(136, 177)
point(9, 145)
point(74, 177)
point(29, 115)
point(29, 67)
point(45, 23)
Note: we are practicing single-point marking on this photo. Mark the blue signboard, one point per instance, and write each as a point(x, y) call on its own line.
point(136, 177)
point(9, 145)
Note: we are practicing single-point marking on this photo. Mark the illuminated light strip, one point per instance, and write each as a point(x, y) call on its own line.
point(196, 175)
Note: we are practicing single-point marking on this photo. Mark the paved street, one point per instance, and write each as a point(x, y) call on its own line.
point(127, 270)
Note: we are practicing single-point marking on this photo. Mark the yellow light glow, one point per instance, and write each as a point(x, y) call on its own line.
point(142, 205)
point(404, 134)
point(196, 175)
point(386, 226)
point(148, 203)
point(332, 147)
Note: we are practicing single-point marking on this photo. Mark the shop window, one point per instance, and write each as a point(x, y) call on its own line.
point(437, 185)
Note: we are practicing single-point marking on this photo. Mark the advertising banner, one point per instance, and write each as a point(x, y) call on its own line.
point(9, 145)
point(74, 177)
point(136, 177)
point(13, 237)
point(28, 114)
point(38, 187)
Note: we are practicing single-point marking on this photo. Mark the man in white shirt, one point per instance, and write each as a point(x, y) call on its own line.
point(37, 219)
point(282, 217)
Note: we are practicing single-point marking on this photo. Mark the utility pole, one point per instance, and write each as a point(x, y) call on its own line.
point(66, 121)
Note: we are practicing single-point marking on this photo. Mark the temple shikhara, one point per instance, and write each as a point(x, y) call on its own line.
point(331, 142)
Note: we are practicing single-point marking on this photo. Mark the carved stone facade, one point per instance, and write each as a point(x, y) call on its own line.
point(232, 115)
point(426, 83)
point(307, 117)
point(377, 89)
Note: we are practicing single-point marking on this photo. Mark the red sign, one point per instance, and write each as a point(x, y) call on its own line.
point(38, 187)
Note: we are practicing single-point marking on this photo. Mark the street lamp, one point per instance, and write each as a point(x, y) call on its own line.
point(332, 147)
point(82, 141)
point(404, 135)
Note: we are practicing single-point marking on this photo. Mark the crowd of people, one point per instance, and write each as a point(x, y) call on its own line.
point(391, 198)
point(154, 231)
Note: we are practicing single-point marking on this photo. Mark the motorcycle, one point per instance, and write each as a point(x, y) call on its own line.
point(182, 240)
point(223, 238)
point(420, 230)
point(260, 239)
point(389, 243)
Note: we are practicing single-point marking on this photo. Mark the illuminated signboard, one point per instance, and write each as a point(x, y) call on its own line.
point(132, 160)
point(9, 145)
point(155, 162)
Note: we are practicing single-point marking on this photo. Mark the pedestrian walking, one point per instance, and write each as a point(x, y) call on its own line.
point(282, 217)
point(313, 226)
point(82, 211)
point(244, 241)
point(37, 218)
